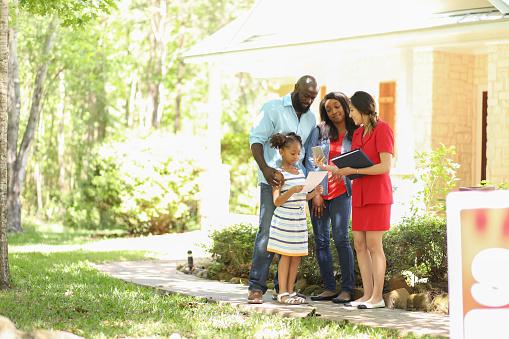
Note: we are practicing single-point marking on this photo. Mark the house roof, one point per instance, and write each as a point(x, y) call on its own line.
point(282, 23)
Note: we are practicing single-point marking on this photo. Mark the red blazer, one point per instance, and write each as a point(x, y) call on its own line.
point(373, 189)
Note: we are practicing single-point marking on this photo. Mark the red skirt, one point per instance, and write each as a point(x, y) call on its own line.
point(372, 217)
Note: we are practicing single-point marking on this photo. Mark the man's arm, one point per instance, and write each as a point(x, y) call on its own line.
point(268, 172)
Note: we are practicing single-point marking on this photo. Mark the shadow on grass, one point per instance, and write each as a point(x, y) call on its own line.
point(37, 233)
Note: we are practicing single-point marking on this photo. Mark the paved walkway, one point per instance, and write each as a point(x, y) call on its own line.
point(163, 275)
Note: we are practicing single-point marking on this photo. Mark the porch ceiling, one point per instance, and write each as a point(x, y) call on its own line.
point(276, 31)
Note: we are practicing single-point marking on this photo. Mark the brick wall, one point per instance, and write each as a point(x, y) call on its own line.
point(453, 109)
point(498, 114)
point(480, 85)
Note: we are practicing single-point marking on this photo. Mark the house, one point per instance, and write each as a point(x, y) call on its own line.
point(439, 70)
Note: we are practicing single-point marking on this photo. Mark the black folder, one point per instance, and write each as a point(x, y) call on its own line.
point(355, 159)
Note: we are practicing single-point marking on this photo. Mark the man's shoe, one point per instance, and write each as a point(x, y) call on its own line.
point(323, 298)
point(255, 297)
point(341, 300)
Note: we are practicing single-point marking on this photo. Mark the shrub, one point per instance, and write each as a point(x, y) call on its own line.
point(235, 152)
point(436, 173)
point(232, 247)
point(419, 245)
point(143, 185)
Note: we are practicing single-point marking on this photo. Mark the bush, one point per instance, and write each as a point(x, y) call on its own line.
point(419, 245)
point(235, 152)
point(436, 173)
point(142, 185)
point(232, 248)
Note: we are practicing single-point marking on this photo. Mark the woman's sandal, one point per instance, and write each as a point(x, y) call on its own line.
point(289, 300)
point(299, 298)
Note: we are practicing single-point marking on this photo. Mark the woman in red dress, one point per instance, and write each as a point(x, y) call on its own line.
point(371, 197)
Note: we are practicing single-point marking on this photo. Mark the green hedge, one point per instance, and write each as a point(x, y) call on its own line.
point(232, 250)
point(418, 245)
point(142, 185)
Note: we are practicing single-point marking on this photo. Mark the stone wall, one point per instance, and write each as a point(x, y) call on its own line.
point(498, 114)
point(480, 86)
point(453, 109)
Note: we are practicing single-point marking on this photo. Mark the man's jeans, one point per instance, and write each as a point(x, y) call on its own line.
point(337, 213)
point(261, 258)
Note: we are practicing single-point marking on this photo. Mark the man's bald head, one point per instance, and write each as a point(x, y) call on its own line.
point(306, 90)
point(306, 81)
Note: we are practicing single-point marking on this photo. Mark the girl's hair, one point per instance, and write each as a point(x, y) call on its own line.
point(282, 140)
point(327, 128)
point(365, 104)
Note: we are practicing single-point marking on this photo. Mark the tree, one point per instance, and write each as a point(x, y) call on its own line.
point(20, 158)
point(4, 56)
point(70, 13)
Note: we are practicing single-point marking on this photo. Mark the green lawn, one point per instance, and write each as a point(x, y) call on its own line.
point(62, 291)
point(36, 232)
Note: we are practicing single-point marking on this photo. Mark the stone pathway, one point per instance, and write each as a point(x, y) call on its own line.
point(163, 275)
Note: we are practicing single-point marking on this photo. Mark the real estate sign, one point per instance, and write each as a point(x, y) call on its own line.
point(478, 257)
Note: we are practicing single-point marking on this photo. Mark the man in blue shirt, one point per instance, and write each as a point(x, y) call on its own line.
point(290, 113)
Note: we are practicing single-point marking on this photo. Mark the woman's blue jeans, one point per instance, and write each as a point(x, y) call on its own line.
point(337, 214)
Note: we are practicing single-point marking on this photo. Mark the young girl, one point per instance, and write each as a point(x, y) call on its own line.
point(288, 230)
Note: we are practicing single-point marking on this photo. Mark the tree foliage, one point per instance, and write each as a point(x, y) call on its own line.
point(71, 12)
point(144, 184)
point(100, 75)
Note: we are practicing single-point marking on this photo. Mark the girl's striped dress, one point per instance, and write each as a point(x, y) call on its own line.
point(288, 229)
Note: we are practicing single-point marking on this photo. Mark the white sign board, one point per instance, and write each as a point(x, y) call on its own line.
point(478, 258)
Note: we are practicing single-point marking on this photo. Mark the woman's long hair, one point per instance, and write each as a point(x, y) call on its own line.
point(365, 104)
point(327, 128)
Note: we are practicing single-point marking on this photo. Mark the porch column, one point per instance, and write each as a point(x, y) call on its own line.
point(215, 184)
point(422, 97)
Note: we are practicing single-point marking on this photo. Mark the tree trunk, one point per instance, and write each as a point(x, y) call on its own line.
point(19, 168)
point(38, 187)
point(13, 126)
point(178, 95)
point(131, 100)
point(4, 60)
point(176, 58)
point(158, 53)
point(61, 133)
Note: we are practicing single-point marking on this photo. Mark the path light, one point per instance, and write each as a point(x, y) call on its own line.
point(190, 260)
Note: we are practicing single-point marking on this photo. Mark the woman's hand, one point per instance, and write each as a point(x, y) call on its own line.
point(320, 162)
point(340, 172)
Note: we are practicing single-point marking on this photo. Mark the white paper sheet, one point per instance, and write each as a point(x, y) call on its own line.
point(312, 180)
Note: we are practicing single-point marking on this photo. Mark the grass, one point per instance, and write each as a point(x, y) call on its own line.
point(36, 232)
point(62, 291)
